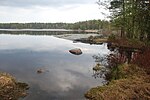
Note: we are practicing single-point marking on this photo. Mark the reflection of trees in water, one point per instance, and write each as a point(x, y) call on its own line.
point(37, 32)
point(99, 70)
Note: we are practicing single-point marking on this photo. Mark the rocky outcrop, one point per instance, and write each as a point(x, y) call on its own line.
point(76, 51)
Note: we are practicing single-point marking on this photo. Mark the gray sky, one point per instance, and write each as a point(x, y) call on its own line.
point(49, 10)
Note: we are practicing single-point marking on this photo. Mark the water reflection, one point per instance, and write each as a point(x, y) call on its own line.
point(100, 69)
point(39, 31)
point(35, 32)
point(68, 76)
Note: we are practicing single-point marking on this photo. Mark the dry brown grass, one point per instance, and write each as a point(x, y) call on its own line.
point(100, 40)
point(135, 86)
point(10, 89)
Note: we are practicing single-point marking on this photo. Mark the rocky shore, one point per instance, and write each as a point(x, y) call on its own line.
point(10, 89)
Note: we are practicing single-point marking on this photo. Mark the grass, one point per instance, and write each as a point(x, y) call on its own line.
point(133, 84)
point(10, 89)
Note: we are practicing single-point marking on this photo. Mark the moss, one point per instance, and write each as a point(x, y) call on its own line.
point(133, 84)
point(10, 89)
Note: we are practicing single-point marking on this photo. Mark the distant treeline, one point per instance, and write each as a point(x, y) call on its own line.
point(40, 32)
point(84, 25)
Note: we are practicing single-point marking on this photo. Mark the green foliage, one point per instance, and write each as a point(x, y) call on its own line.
point(115, 4)
point(132, 17)
point(111, 37)
point(123, 71)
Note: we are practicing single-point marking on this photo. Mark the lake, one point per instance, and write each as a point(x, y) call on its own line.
point(65, 76)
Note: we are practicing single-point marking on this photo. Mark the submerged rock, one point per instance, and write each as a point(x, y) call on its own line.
point(76, 51)
point(40, 71)
point(97, 67)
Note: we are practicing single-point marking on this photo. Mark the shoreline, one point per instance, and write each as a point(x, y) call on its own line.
point(134, 83)
point(10, 88)
point(53, 30)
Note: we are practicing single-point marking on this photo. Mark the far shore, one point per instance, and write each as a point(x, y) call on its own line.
point(53, 30)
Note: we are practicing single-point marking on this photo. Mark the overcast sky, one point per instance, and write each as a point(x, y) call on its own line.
point(49, 11)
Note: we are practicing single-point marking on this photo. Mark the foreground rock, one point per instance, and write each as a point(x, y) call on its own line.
point(76, 51)
point(10, 89)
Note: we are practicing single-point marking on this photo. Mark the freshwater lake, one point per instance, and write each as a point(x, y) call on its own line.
point(65, 76)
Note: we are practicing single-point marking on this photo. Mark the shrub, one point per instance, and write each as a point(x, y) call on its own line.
point(114, 61)
point(143, 59)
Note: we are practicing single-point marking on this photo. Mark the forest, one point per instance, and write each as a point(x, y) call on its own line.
point(132, 17)
point(83, 25)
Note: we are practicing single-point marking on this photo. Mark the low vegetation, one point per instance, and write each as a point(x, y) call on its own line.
point(10, 89)
point(132, 84)
point(142, 59)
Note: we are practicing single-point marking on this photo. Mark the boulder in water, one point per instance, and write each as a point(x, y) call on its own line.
point(39, 71)
point(76, 51)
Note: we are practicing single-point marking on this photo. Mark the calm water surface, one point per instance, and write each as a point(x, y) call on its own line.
point(66, 76)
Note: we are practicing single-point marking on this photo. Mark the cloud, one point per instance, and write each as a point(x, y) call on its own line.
point(67, 13)
point(49, 10)
point(51, 3)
